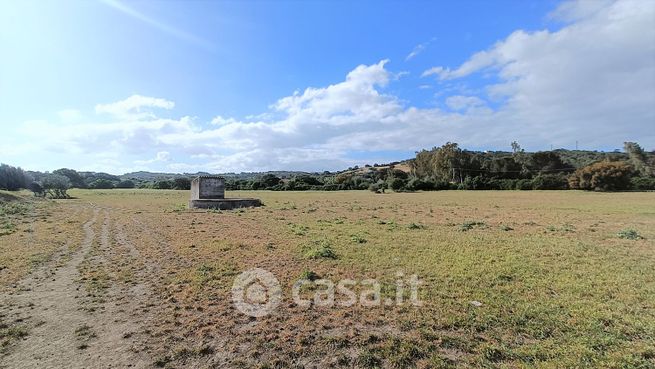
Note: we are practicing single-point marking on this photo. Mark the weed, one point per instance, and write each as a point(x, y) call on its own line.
point(466, 226)
point(299, 230)
point(309, 275)
point(368, 359)
point(319, 249)
point(629, 234)
point(84, 332)
point(358, 239)
point(415, 226)
point(11, 334)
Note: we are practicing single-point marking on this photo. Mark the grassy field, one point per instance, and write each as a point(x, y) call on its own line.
point(509, 279)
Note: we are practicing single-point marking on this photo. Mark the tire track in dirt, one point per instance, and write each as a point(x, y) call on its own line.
point(64, 334)
point(53, 312)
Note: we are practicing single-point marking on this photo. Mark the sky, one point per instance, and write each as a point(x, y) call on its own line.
point(186, 86)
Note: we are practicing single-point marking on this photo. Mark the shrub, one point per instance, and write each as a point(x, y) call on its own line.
point(125, 184)
point(397, 184)
point(602, 176)
point(418, 184)
point(101, 184)
point(524, 184)
point(502, 184)
point(162, 185)
point(474, 183)
point(182, 183)
point(642, 183)
point(549, 182)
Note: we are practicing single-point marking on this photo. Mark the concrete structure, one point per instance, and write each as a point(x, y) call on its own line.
point(208, 192)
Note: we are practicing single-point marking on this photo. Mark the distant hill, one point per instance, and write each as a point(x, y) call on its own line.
point(150, 176)
point(576, 158)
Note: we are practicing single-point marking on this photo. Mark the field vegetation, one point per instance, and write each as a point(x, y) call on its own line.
point(510, 279)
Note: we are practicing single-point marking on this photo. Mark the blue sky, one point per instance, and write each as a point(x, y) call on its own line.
point(216, 86)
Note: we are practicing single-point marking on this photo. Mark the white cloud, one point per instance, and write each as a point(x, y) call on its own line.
point(418, 49)
point(134, 104)
point(459, 102)
point(432, 71)
point(162, 156)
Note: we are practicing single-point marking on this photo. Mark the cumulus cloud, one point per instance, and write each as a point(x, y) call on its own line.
point(592, 81)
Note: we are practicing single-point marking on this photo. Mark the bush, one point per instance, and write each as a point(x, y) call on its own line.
point(125, 184)
point(549, 182)
point(524, 184)
point(502, 184)
point(602, 176)
point(397, 184)
point(474, 183)
point(182, 183)
point(417, 184)
point(162, 185)
point(101, 184)
point(642, 183)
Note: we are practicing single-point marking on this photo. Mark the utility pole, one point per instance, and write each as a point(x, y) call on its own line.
point(576, 145)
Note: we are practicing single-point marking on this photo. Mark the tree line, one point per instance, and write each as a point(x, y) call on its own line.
point(440, 168)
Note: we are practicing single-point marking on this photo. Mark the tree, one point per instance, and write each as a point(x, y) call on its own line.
point(101, 184)
point(447, 162)
point(602, 176)
point(73, 176)
point(12, 178)
point(125, 184)
point(271, 180)
point(56, 186)
point(182, 183)
point(504, 167)
point(638, 159)
point(397, 184)
point(516, 148)
point(162, 185)
point(37, 189)
point(547, 161)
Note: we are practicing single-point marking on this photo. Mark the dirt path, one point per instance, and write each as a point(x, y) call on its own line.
point(73, 326)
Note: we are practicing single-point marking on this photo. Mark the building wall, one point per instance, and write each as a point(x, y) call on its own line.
point(211, 188)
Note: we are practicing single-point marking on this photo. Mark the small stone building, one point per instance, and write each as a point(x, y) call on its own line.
point(208, 187)
point(208, 192)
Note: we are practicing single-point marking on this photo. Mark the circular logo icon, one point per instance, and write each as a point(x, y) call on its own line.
point(256, 292)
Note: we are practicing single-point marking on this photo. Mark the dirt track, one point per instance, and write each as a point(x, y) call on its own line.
point(77, 318)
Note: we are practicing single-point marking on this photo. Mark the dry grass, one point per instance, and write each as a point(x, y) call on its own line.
point(32, 231)
point(558, 286)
